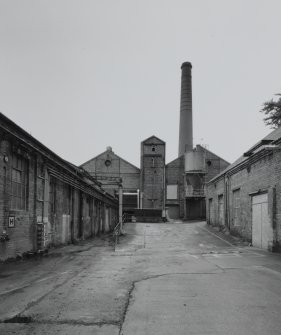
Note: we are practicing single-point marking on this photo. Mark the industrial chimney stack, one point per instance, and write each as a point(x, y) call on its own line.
point(185, 131)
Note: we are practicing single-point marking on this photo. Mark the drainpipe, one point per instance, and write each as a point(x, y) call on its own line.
point(138, 197)
point(226, 203)
point(120, 207)
point(164, 194)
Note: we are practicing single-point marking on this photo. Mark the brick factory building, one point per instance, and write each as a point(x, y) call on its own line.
point(245, 198)
point(174, 190)
point(45, 201)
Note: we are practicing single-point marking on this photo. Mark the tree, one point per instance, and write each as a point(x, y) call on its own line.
point(272, 112)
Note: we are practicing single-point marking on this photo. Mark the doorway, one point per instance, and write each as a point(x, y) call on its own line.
point(262, 231)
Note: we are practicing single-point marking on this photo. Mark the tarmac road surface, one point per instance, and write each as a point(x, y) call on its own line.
point(171, 278)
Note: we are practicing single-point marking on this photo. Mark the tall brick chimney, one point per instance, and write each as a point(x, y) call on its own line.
point(185, 129)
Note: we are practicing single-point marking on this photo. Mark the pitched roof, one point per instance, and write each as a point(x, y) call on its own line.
point(275, 135)
point(153, 137)
point(201, 148)
point(210, 152)
point(106, 152)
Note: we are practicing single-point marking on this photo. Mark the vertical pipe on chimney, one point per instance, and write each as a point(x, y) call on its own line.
point(185, 129)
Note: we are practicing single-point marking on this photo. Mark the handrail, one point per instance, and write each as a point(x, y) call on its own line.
point(117, 230)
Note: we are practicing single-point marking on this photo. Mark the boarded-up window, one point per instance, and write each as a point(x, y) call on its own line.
point(172, 192)
point(236, 207)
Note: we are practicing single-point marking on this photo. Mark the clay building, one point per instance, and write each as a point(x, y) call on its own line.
point(245, 197)
point(172, 190)
point(45, 201)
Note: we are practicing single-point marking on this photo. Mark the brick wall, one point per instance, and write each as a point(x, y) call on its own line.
point(152, 172)
point(175, 176)
point(22, 235)
point(259, 175)
point(57, 198)
point(108, 164)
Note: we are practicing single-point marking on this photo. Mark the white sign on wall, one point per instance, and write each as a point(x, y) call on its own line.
point(11, 222)
point(172, 192)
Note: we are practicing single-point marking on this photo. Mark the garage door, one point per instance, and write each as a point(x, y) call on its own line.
point(262, 232)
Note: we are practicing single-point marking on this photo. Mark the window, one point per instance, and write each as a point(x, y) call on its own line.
point(107, 163)
point(153, 148)
point(236, 207)
point(172, 192)
point(19, 183)
point(40, 181)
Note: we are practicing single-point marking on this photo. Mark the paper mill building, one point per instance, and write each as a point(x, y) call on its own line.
point(176, 188)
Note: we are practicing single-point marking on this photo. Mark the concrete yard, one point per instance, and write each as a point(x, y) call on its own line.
point(175, 278)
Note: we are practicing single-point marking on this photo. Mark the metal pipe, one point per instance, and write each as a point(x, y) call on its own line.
point(120, 207)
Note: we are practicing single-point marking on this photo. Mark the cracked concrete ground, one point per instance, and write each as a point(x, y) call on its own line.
point(161, 279)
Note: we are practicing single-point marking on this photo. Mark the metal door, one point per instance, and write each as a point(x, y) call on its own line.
point(262, 232)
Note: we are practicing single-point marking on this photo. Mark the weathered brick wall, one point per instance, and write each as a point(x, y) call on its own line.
point(76, 215)
point(213, 191)
point(152, 170)
point(175, 176)
point(213, 163)
point(216, 166)
point(96, 216)
point(86, 214)
point(22, 235)
point(86, 217)
point(66, 211)
point(261, 175)
point(117, 167)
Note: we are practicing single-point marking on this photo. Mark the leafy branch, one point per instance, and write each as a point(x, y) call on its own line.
point(272, 112)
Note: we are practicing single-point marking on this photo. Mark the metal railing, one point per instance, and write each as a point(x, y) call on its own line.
point(118, 230)
point(195, 192)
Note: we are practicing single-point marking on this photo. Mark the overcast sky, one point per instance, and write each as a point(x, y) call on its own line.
point(86, 74)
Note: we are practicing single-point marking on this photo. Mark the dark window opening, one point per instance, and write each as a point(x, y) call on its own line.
point(107, 162)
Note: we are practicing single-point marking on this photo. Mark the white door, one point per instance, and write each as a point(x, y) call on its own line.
point(262, 232)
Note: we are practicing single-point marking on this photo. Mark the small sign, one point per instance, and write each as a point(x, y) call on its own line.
point(11, 222)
